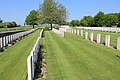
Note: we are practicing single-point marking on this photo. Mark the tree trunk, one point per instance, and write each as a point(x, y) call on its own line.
point(51, 25)
point(33, 26)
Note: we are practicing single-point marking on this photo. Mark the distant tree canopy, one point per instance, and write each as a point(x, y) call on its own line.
point(8, 24)
point(99, 20)
point(32, 18)
point(87, 21)
point(52, 12)
point(75, 23)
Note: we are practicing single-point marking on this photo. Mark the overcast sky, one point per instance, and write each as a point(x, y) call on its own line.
point(17, 10)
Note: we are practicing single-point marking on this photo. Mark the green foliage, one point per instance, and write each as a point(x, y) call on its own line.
point(75, 23)
point(118, 19)
point(110, 20)
point(52, 12)
point(87, 21)
point(8, 24)
point(98, 19)
point(101, 19)
point(32, 18)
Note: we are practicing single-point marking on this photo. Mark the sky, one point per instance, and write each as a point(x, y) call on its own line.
point(17, 10)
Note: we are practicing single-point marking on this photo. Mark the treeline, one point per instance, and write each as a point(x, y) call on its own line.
point(8, 24)
point(99, 20)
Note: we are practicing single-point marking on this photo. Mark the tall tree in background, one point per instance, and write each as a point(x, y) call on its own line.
point(75, 23)
point(87, 21)
point(32, 18)
point(52, 12)
point(118, 24)
point(98, 19)
point(110, 20)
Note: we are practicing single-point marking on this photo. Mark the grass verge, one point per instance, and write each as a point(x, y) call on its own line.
point(13, 61)
point(73, 58)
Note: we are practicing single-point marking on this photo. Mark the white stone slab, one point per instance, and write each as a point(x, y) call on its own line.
point(118, 43)
point(98, 38)
point(33, 58)
point(78, 32)
point(91, 37)
point(1, 42)
point(29, 67)
point(86, 35)
point(107, 41)
point(4, 41)
point(81, 32)
point(74, 31)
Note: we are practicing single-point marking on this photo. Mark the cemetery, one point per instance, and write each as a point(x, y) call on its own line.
point(52, 42)
point(71, 52)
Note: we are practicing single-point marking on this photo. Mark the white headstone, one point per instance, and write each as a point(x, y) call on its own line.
point(29, 67)
point(107, 41)
point(70, 30)
point(4, 41)
point(11, 37)
point(98, 38)
point(32, 55)
point(1, 42)
point(78, 32)
point(81, 33)
point(91, 37)
point(118, 43)
point(86, 35)
point(74, 31)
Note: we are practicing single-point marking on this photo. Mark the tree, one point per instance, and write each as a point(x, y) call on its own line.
point(14, 24)
point(72, 23)
point(98, 19)
point(75, 23)
point(52, 12)
point(87, 21)
point(110, 20)
point(118, 24)
point(83, 22)
point(32, 18)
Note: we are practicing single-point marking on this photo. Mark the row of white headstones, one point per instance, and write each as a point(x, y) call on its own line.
point(5, 40)
point(106, 29)
point(107, 39)
point(59, 32)
point(33, 57)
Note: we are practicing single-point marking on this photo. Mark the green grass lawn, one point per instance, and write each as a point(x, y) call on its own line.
point(13, 61)
point(74, 58)
point(113, 36)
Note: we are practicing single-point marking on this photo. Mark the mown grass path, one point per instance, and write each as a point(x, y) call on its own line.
point(13, 62)
point(73, 58)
